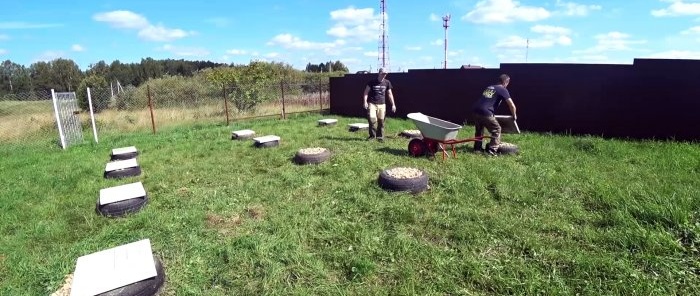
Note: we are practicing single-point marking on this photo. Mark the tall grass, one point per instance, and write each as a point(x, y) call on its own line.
point(32, 120)
point(568, 216)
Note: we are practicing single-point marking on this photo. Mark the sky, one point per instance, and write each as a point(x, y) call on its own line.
point(297, 32)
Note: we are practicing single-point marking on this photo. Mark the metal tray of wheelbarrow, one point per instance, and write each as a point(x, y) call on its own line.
point(434, 128)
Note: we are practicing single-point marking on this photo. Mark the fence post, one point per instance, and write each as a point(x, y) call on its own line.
point(92, 115)
point(58, 119)
point(320, 95)
point(150, 106)
point(284, 116)
point(226, 105)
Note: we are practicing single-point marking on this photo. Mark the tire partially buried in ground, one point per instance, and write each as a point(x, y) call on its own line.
point(242, 137)
point(312, 155)
point(124, 156)
point(267, 144)
point(121, 208)
point(403, 179)
point(147, 287)
point(508, 149)
point(123, 173)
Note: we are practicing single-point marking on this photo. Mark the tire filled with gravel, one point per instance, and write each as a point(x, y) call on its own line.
point(313, 155)
point(508, 149)
point(403, 179)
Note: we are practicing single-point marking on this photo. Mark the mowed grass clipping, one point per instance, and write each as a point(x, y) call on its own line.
point(569, 215)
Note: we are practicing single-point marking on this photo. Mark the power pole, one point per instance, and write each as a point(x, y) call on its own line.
point(446, 24)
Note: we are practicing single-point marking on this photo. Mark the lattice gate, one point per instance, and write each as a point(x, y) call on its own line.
point(66, 109)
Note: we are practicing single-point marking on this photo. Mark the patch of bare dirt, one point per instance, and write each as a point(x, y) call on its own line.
point(256, 212)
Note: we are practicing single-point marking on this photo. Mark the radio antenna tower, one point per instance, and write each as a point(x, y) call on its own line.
point(527, 49)
point(446, 24)
point(383, 39)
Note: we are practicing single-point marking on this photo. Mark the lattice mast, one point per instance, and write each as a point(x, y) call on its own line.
point(383, 38)
point(446, 24)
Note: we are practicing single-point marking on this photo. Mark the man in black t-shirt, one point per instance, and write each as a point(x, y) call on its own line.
point(484, 110)
point(374, 101)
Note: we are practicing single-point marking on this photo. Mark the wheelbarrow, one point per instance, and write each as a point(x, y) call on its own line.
point(436, 135)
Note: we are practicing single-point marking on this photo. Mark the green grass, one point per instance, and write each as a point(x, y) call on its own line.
point(569, 215)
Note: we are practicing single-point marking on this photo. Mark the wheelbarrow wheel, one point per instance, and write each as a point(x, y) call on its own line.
point(417, 148)
point(432, 147)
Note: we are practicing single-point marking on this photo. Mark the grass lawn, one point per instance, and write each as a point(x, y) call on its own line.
point(569, 215)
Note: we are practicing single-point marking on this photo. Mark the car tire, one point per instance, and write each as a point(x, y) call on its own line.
point(391, 183)
point(302, 158)
point(121, 208)
point(123, 173)
point(147, 287)
point(508, 149)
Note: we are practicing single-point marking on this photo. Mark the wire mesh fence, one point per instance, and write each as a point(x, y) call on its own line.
point(30, 118)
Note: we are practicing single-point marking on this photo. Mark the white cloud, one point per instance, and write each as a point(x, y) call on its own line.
point(413, 48)
point(185, 51)
point(612, 41)
point(77, 48)
point(436, 42)
point(692, 31)
point(3, 51)
point(361, 24)
point(125, 19)
point(549, 36)
point(575, 9)
point(160, 33)
point(678, 8)
point(434, 18)
point(272, 55)
point(220, 22)
point(373, 54)
point(122, 19)
point(26, 25)
point(676, 54)
point(504, 11)
point(454, 53)
point(236, 52)
point(292, 42)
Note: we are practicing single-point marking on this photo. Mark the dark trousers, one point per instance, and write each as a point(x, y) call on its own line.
point(491, 124)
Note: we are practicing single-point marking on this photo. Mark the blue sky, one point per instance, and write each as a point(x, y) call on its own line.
point(482, 32)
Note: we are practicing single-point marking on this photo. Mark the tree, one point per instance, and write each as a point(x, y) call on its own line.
point(326, 67)
point(42, 76)
point(14, 78)
point(98, 86)
point(66, 73)
point(100, 68)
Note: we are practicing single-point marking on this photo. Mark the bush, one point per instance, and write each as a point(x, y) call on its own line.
point(169, 91)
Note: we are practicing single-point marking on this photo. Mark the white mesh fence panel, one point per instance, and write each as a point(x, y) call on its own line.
point(70, 128)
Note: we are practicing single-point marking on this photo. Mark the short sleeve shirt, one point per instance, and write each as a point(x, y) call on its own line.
point(377, 90)
point(490, 99)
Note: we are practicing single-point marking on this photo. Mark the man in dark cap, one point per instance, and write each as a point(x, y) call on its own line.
point(376, 92)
